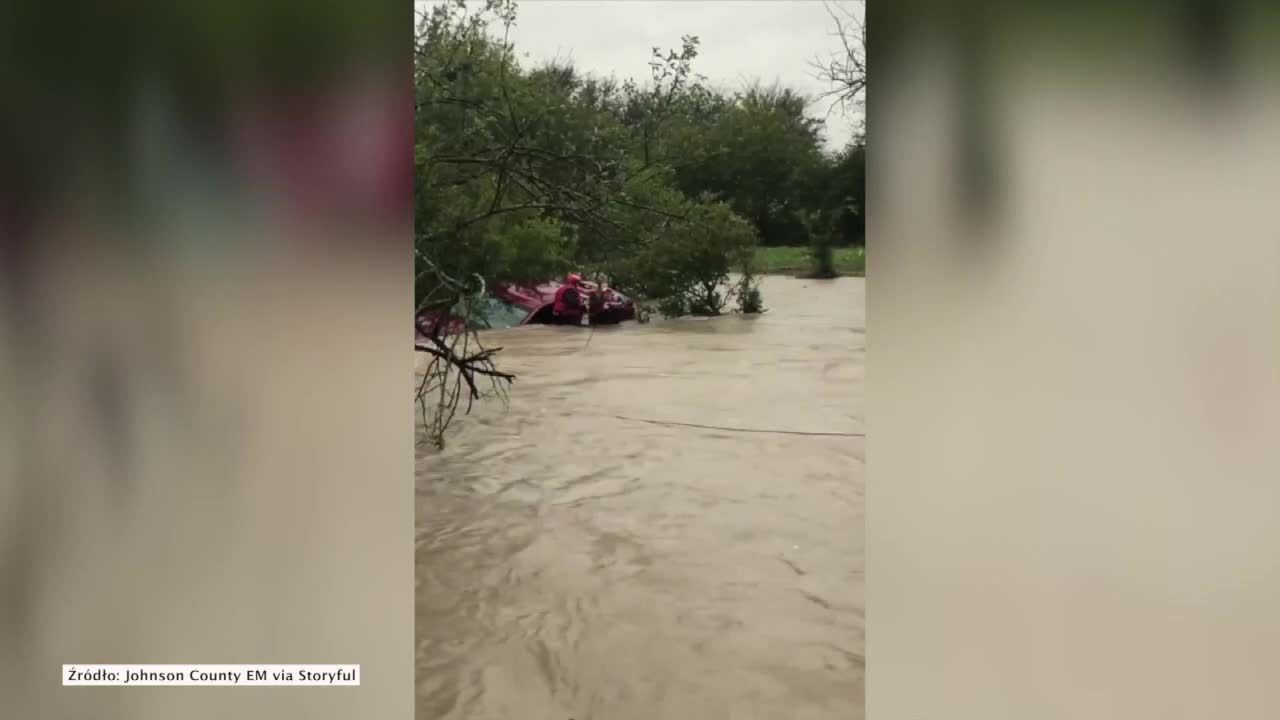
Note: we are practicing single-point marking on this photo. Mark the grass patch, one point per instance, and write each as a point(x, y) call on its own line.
point(796, 260)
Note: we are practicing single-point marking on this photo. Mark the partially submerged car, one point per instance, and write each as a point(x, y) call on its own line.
point(511, 305)
point(605, 306)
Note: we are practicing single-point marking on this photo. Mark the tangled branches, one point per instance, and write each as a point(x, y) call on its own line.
point(846, 69)
point(458, 362)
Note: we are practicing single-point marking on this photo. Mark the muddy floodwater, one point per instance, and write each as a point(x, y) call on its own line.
point(574, 561)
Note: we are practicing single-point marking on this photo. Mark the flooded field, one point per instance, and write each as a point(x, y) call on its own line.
point(588, 553)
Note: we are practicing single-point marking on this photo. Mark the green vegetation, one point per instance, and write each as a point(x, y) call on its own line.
point(664, 189)
point(798, 260)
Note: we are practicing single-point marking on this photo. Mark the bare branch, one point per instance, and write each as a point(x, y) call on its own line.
point(845, 70)
point(449, 372)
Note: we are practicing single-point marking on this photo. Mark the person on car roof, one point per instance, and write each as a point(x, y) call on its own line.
point(570, 302)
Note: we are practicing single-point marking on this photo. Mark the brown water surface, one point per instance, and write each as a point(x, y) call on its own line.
point(573, 564)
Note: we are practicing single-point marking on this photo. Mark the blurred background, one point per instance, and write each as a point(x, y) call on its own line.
point(1073, 275)
point(205, 213)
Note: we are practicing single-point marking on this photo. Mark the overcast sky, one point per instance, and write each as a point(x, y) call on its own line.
point(741, 40)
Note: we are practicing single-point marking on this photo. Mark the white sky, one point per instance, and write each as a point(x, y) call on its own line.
point(741, 40)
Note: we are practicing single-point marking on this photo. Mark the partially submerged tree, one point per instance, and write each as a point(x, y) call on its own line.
point(685, 267)
point(819, 227)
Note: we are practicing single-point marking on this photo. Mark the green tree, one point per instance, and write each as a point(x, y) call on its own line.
point(844, 194)
point(819, 227)
point(520, 174)
point(757, 150)
point(686, 267)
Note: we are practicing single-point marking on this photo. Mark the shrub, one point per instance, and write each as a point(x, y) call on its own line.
point(747, 290)
point(820, 228)
point(685, 268)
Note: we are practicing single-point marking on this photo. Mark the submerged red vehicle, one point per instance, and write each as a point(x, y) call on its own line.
point(606, 306)
point(511, 305)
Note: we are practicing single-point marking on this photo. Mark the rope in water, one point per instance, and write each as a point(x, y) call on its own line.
point(742, 430)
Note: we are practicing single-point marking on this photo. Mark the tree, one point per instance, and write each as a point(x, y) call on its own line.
point(521, 174)
point(758, 151)
point(844, 198)
point(819, 226)
point(845, 71)
point(474, 213)
point(646, 108)
point(685, 267)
